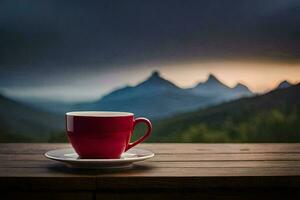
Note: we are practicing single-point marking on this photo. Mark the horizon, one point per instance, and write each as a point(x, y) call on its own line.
point(177, 74)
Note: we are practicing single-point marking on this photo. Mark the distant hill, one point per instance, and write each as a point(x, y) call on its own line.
point(157, 97)
point(51, 106)
point(284, 84)
point(218, 91)
point(272, 117)
point(19, 122)
point(154, 97)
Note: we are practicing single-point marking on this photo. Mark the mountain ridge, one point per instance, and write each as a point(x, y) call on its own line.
point(213, 87)
point(271, 117)
point(156, 79)
point(157, 97)
point(250, 117)
point(20, 120)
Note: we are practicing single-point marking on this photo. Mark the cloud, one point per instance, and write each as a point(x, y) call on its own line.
point(42, 38)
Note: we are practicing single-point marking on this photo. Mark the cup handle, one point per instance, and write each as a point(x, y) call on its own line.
point(149, 129)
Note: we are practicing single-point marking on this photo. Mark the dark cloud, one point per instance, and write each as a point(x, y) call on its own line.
point(38, 35)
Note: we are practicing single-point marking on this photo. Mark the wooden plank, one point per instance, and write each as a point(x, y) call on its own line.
point(182, 157)
point(232, 182)
point(149, 178)
point(222, 148)
point(161, 148)
point(148, 171)
point(220, 194)
point(23, 166)
point(46, 195)
point(164, 164)
point(30, 148)
point(39, 183)
point(228, 157)
point(222, 164)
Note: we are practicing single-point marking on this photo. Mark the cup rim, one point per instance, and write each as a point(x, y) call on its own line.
point(99, 114)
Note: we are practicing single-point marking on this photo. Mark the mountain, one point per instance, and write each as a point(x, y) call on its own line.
point(21, 122)
point(155, 97)
point(54, 107)
point(217, 90)
point(284, 84)
point(272, 117)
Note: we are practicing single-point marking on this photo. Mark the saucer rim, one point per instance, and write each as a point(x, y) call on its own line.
point(95, 160)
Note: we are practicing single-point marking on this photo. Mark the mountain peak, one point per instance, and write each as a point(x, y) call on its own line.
point(155, 76)
point(155, 73)
point(212, 84)
point(284, 84)
point(212, 78)
point(240, 85)
point(155, 79)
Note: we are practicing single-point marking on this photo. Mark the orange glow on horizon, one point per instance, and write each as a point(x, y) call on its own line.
point(259, 77)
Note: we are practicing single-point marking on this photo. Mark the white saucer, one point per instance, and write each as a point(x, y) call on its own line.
point(71, 158)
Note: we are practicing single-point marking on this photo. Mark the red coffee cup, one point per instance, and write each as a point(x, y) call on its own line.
point(103, 135)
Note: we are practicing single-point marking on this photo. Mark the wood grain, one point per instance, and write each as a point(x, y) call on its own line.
point(219, 194)
point(161, 148)
point(47, 195)
point(164, 164)
point(23, 166)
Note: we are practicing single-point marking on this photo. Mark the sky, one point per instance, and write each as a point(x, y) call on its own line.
point(79, 50)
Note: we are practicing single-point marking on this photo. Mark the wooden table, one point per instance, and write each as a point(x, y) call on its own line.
point(178, 171)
